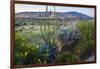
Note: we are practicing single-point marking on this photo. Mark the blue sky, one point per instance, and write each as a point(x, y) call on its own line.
point(39, 8)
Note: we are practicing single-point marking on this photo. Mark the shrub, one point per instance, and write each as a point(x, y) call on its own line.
point(86, 45)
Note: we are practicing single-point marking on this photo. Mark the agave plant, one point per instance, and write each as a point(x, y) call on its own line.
point(48, 53)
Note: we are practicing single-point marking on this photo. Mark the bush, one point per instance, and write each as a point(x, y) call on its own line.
point(25, 53)
point(85, 47)
point(67, 57)
point(68, 37)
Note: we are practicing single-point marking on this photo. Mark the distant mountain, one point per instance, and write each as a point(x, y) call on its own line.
point(79, 15)
point(59, 15)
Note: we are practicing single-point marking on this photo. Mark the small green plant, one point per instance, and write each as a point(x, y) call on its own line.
point(67, 57)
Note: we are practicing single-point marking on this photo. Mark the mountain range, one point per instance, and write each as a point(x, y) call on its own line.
point(59, 15)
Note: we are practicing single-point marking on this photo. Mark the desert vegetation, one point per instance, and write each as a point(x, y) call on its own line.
point(47, 41)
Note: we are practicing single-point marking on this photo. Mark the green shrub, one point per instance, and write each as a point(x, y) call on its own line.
point(85, 46)
point(67, 58)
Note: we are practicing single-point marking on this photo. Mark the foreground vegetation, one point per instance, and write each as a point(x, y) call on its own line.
point(51, 43)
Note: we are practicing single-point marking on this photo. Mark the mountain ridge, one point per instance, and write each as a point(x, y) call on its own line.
point(71, 14)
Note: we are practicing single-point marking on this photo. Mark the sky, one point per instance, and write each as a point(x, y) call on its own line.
point(41, 8)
